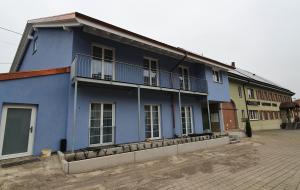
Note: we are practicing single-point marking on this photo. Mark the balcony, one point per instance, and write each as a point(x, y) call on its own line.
point(95, 69)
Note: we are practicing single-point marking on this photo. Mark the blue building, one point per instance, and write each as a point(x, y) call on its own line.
point(94, 84)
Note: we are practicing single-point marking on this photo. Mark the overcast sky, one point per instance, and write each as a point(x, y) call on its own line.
point(262, 36)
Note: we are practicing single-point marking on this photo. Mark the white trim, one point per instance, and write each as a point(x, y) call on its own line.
point(151, 120)
point(31, 134)
point(101, 124)
point(157, 70)
point(103, 47)
point(182, 75)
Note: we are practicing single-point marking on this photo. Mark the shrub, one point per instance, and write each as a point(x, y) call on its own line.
point(248, 129)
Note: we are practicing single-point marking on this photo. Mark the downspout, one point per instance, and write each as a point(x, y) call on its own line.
point(172, 95)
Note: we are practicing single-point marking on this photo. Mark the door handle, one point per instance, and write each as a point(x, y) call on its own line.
point(31, 129)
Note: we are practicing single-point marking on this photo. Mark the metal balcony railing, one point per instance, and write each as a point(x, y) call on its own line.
point(95, 68)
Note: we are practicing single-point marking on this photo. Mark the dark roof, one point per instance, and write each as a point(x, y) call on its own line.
point(256, 79)
point(78, 18)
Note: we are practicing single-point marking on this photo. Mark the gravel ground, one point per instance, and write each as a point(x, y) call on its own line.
point(270, 160)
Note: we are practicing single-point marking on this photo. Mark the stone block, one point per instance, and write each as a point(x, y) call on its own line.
point(117, 150)
point(79, 155)
point(126, 148)
point(148, 145)
point(141, 146)
point(92, 154)
point(133, 147)
point(101, 152)
point(70, 157)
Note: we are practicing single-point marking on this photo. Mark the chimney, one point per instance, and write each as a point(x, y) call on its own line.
point(233, 64)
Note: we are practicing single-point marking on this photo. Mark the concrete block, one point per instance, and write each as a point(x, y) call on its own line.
point(65, 166)
point(100, 163)
point(117, 150)
point(188, 140)
point(193, 139)
point(70, 157)
point(141, 146)
point(109, 151)
point(80, 155)
point(154, 144)
point(159, 143)
point(165, 143)
point(92, 154)
point(171, 142)
point(133, 147)
point(197, 138)
point(151, 154)
point(102, 152)
point(148, 145)
point(126, 148)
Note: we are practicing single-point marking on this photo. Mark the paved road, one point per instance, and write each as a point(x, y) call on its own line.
point(270, 160)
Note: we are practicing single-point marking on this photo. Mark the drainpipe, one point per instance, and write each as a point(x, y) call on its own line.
point(74, 115)
point(172, 95)
point(245, 99)
point(179, 104)
point(208, 114)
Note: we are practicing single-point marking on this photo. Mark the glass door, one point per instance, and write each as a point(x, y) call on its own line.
point(187, 120)
point(184, 78)
point(150, 72)
point(152, 121)
point(102, 124)
point(102, 64)
point(17, 131)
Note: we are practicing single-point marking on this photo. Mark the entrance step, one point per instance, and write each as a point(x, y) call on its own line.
point(18, 161)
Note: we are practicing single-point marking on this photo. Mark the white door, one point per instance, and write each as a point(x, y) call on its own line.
point(17, 131)
point(184, 78)
point(102, 124)
point(102, 65)
point(187, 120)
point(152, 121)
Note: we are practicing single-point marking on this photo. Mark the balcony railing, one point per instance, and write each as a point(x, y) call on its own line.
point(94, 68)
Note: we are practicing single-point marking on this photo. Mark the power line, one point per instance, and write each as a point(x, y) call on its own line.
point(10, 30)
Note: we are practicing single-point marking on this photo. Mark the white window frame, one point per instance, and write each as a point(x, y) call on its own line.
point(192, 118)
point(102, 60)
point(240, 91)
point(253, 115)
point(215, 78)
point(183, 78)
point(31, 134)
point(101, 124)
point(151, 121)
point(150, 59)
point(250, 92)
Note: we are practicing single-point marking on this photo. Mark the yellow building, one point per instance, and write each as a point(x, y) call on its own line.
point(256, 99)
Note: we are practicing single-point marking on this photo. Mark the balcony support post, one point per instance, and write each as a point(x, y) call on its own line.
point(74, 115)
point(139, 112)
point(179, 104)
point(208, 113)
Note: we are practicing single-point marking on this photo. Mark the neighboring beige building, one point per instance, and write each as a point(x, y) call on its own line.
point(255, 98)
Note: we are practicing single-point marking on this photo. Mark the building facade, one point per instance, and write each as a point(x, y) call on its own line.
point(256, 99)
point(89, 83)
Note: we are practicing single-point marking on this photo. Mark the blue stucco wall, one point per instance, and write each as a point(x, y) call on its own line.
point(50, 95)
point(217, 91)
point(126, 113)
point(54, 49)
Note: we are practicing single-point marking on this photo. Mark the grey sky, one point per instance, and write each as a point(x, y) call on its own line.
point(262, 36)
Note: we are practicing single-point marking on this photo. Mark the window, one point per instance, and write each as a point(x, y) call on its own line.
point(243, 114)
point(266, 95)
point(34, 46)
point(187, 120)
point(257, 94)
point(216, 76)
point(150, 72)
point(266, 115)
point(271, 115)
point(102, 63)
point(250, 93)
point(276, 115)
point(261, 115)
point(240, 91)
point(253, 114)
point(102, 124)
point(152, 121)
point(276, 98)
point(184, 78)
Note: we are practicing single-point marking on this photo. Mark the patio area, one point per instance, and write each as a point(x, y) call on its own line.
point(270, 160)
